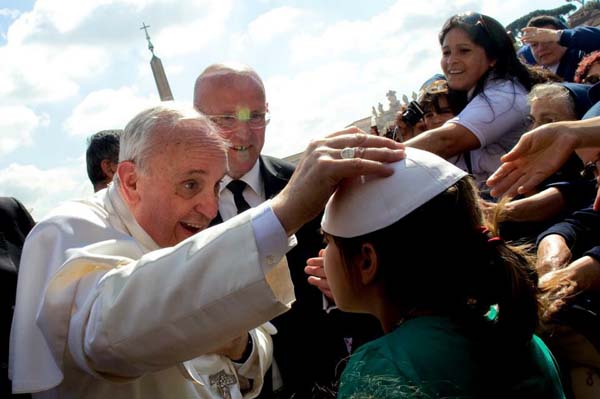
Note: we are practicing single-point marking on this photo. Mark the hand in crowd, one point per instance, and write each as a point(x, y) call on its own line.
point(321, 168)
point(538, 154)
point(535, 35)
point(563, 285)
point(553, 254)
point(314, 268)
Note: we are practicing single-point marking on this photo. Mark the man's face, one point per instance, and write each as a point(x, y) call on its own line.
point(235, 95)
point(547, 53)
point(547, 110)
point(178, 191)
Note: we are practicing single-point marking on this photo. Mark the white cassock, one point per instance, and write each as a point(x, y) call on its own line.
point(102, 312)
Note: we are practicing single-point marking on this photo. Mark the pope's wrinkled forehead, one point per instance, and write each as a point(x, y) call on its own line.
point(152, 131)
point(190, 132)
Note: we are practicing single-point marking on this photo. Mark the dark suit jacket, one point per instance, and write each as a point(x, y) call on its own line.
point(15, 224)
point(310, 343)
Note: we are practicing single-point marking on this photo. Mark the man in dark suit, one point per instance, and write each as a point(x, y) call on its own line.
point(15, 224)
point(234, 98)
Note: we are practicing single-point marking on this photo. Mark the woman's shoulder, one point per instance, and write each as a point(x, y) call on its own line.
point(505, 85)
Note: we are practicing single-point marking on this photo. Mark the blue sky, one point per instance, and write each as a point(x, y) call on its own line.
point(71, 68)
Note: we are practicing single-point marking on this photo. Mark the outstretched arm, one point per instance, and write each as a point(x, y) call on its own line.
point(541, 152)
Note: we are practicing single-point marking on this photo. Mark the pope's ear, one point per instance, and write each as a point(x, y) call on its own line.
point(368, 264)
point(128, 179)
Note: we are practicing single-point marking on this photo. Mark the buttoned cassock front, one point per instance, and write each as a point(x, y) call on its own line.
point(99, 303)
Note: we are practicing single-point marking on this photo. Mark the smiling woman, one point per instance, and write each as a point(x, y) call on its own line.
point(478, 59)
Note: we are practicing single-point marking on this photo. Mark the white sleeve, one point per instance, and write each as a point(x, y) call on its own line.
point(170, 305)
point(501, 109)
point(260, 359)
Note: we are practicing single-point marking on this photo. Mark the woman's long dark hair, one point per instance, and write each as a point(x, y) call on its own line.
point(491, 35)
point(437, 259)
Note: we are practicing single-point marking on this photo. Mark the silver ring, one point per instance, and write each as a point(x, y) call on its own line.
point(348, 153)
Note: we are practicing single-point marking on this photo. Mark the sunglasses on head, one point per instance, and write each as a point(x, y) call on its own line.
point(475, 19)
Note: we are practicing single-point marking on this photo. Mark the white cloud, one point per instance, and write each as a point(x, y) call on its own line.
point(313, 103)
point(346, 68)
point(9, 13)
point(106, 109)
point(38, 74)
point(17, 124)
point(61, 46)
point(185, 37)
point(40, 190)
point(397, 28)
point(274, 23)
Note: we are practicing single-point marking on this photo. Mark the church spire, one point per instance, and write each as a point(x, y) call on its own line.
point(162, 84)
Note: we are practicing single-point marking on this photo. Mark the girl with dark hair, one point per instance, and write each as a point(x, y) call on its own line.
point(457, 304)
point(478, 58)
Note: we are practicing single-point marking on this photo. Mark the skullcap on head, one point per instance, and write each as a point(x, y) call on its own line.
point(369, 203)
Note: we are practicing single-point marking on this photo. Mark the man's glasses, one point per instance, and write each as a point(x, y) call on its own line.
point(590, 170)
point(591, 80)
point(254, 120)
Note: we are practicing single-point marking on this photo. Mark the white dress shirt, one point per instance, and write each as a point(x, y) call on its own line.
point(254, 193)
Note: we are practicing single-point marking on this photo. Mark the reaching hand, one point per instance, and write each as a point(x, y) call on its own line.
point(553, 254)
point(536, 35)
point(538, 154)
point(314, 268)
point(322, 167)
point(562, 286)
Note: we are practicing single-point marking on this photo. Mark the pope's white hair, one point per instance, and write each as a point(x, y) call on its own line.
point(139, 139)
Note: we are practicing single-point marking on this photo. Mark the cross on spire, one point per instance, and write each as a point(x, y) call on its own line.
point(145, 29)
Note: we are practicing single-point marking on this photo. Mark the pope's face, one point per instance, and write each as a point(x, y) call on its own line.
point(234, 95)
point(178, 188)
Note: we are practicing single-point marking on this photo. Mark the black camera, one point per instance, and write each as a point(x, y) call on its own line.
point(413, 114)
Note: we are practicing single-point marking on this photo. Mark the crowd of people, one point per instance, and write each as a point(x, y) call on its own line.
point(459, 259)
